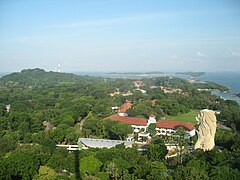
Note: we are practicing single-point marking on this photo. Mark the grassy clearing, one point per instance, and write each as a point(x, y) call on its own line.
point(189, 117)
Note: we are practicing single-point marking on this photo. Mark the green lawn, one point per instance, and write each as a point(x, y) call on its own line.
point(188, 117)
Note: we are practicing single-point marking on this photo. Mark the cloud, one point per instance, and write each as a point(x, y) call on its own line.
point(119, 20)
point(174, 56)
point(233, 52)
point(200, 54)
point(143, 55)
point(97, 22)
point(177, 59)
point(110, 21)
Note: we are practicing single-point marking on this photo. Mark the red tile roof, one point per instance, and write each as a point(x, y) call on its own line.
point(123, 108)
point(128, 120)
point(174, 125)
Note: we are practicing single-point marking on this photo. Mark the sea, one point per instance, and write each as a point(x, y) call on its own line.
point(228, 79)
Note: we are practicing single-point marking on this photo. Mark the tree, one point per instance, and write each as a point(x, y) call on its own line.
point(2, 109)
point(141, 109)
point(105, 155)
point(59, 133)
point(152, 129)
point(112, 170)
point(92, 126)
point(131, 155)
point(158, 171)
point(45, 173)
point(8, 142)
point(3, 170)
point(189, 173)
point(89, 165)
point(58, 159)
point(22, 163)
point(156, 151)
point(121, 130)
point(102, 175)
point(181, 142)
point(122, 165)
point(218, 172)
point(142, 167)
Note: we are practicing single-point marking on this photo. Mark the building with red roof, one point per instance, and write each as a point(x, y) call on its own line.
point(174, 125)
point(136, 123)
point(163, 127)
point(128, 120)
point(123, 108)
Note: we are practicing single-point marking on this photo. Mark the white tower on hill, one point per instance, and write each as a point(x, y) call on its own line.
point(59, 68)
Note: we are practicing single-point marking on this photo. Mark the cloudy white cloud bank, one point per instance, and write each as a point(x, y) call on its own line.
point(233, 52)
point(200, 54)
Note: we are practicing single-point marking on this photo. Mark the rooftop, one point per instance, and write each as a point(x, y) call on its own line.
point(128, 120)
point(143, 122)
point(174, 125)
point(102, 143)
point(123, 108)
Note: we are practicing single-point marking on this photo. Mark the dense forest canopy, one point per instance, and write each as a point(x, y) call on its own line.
point(63, 101)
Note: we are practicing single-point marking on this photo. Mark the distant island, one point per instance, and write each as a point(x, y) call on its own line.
point(154, 73)
point(192, 74)
point(138, 73)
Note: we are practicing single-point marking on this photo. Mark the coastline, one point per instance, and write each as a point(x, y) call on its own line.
point(226, 96)
point(228, 79)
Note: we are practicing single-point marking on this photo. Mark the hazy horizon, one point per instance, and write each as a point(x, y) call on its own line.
point(120, 35)
point(76, 71)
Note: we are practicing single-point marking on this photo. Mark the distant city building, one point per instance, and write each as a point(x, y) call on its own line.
point(117, 92)
point(128, 93)
point(137, 84)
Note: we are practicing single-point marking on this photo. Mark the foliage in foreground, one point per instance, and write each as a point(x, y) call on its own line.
point(66, 100)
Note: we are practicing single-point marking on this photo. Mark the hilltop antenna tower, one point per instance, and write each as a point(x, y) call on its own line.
point(59, 68)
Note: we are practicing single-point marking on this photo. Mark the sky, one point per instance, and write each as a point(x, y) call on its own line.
point(120, 35)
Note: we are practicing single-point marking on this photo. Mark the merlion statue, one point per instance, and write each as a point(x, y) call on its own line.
point(206, 130)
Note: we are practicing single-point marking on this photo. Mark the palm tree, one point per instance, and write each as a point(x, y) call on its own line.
point(181, 141)
point(112, 170)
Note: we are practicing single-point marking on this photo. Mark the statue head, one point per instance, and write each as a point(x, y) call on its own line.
point(206, 130)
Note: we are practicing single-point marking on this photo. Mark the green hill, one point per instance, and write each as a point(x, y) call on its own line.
point(39, 77)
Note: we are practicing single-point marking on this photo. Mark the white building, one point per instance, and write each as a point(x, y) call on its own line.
point(86, 143)
point(140, 125)
point(163, 127)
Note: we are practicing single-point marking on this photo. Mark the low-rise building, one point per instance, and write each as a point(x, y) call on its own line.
point(128, 93)
point(86, 143)
point(163, 127)
point(123, 108)
point(167, 128)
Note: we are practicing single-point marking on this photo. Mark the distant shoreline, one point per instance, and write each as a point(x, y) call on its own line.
point(217, 77)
